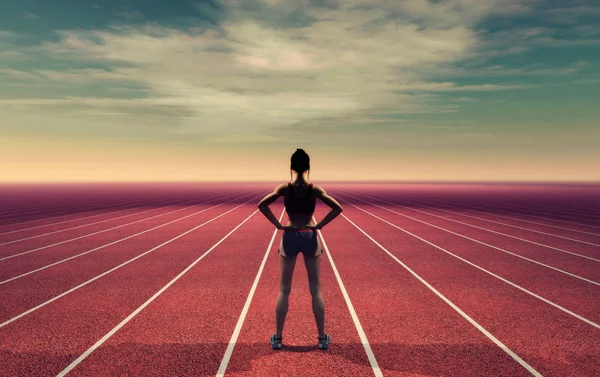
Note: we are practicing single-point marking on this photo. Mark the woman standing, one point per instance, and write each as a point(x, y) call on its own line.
point(300, 236)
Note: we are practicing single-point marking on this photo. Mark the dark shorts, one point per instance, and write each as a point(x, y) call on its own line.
point(303, 241)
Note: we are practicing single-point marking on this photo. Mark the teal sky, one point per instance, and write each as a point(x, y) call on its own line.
point(410, 90)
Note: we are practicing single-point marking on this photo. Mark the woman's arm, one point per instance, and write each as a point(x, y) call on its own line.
point(264, 204)
point(336, 208)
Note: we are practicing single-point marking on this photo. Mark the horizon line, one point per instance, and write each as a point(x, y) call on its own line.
point(536, 182)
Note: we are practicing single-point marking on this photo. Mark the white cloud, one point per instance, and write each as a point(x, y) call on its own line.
point(82, 75)
point(571, 13)
point(453, 87)
point(4, 34)
point(18, 74)
point(364, 57)
point(499, 70)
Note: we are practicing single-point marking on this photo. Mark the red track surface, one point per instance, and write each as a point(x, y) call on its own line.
point(433, 315)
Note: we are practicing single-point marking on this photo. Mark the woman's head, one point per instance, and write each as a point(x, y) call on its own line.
point(300, 162)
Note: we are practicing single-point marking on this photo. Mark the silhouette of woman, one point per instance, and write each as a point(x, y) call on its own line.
point(300, 236)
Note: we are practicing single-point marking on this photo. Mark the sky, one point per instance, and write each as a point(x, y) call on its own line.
point(226, 90)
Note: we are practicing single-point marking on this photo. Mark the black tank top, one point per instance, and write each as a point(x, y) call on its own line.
point(300, 204)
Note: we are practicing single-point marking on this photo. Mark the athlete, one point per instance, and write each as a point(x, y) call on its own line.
point(300, 236)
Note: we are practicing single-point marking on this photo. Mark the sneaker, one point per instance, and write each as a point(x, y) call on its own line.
point(324, 342)
point(276, 342)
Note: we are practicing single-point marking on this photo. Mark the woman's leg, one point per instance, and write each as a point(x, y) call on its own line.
point(313, 268)
point(287, 270)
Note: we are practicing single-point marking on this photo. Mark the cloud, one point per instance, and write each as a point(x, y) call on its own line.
point(499, 70)
point(571, 15)
point(543, 35)
point(82, 75)
point(130, 16)
point(278, 63)
point(556, 24)
point(6, 35)
point(557, 42)
point(18, 74)
point(453, 87)
point(589, 80)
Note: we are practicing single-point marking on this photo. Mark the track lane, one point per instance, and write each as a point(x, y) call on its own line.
point(48, 340)
point(546, 199)
point(108, 192)
point(412, 331)
point(559, 230)
point(62, 279)
point(476, 197)
point(42, 257)
point(125, 216)
point(69, 202)
point(134, 315)
point(33, 230)
point(18, 250)
point(547, 283)
point(578, 264)
point(575, 222)
point(117, 250)
point(253, 356)
point(185, 330)
point(421, 364)
point(242, 318)
point(106, 201)
point(519, 320)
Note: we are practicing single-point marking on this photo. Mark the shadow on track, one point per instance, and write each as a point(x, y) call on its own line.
point(202, 359)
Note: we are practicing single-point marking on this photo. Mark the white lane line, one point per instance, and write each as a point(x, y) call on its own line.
point(117, 241)
point(81, 201)
point(242, 318)
point(555, 211)
point(565, 212)
point(482, 243)
point(98, 232)
point(474, 226)
point(512, 226)
point(359, 328)
point(553, 219)
point(492, 214)
point(452, 305)
point(52, 207)
point(116, 268)
point(141, 307)
point(483, 269)
point(83, 225)
point(61, 222)
point(92, 199)
point(169, 202)
point(61, 209)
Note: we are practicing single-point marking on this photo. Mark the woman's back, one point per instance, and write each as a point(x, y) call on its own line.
point(300, 201)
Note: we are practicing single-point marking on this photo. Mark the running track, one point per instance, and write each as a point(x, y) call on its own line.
point(182, 279)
